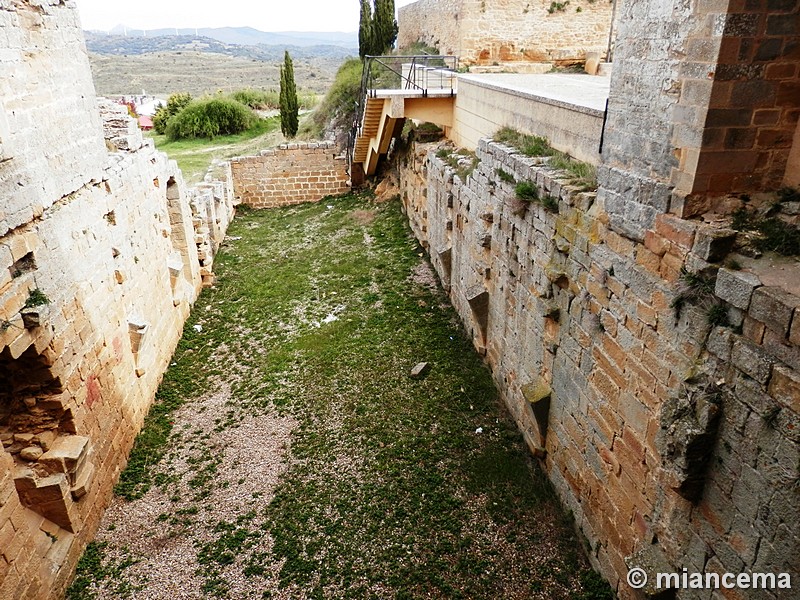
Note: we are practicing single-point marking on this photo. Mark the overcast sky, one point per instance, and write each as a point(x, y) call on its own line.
point(269, 15)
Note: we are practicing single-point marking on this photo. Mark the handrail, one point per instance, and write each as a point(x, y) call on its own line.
point(388, 72)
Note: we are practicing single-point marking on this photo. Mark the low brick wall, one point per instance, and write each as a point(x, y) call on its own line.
point(290, 174)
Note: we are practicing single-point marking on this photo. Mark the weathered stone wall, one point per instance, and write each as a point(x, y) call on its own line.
point(46, 101)
point(704, 102)
point(103, 250)
point(481, 32)
point(675, 443)
point(290, 174)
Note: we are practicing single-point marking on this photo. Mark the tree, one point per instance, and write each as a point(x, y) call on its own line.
point(287, 99)
point(365, 37)
point(384, 28)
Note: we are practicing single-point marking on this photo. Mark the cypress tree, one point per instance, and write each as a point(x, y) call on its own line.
point(365, 29)
point(384, 26)
point(287, 98)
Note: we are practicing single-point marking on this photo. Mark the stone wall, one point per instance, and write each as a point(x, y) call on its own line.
point(675, 443)
point(103, 250)
point(290, 174)
point(485, 33)
point(704, 102)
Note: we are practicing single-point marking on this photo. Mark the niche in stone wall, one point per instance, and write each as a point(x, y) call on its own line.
point(178, 264)
point(478, 298)
point(52, 465)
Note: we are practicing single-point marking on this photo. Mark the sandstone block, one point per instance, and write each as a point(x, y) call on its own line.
point(736, 287)
point(774, 307)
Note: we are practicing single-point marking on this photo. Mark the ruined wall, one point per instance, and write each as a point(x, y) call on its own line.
point(675, 443)
point(290, 174)
point(485, 33)
point(101, 258)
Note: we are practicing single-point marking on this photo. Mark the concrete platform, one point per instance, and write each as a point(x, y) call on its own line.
point(567, 109)
point(575, 89)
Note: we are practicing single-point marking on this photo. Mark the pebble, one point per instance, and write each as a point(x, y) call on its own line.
point(31, 453)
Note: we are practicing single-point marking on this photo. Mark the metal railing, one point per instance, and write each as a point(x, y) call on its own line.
point(419, 72)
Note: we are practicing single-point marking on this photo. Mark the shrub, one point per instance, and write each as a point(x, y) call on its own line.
point(210, 117)
point(175, 104)
point(257, 99)
point(527, 191)
point(338, 108)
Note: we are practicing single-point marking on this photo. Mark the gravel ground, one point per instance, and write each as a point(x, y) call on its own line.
point(252, 458)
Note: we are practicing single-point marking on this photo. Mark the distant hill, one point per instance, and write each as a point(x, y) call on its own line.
point(119, 45)
point(247, 36)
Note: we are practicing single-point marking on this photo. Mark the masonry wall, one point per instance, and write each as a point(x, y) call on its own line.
point(481, 109)
point(290, 174)
point(704, 102)
point(103, 250)
point(675, 443)
point(485, 33)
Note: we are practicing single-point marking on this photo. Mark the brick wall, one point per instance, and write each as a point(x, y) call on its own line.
point(100, 226)
point(484, 33)
point(290, 174)
point(609, 384)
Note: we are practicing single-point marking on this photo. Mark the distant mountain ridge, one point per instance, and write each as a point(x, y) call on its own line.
point(121, 45)
point(246, 36)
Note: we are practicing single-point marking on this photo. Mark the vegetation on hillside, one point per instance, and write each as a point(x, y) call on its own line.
point(270, 99)
point(337, 110)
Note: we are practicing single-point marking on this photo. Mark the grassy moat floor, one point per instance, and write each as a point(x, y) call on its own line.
point(290, 455)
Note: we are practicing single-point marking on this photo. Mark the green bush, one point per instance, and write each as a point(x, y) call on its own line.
point(257, 99)
point(527, 191)
point(210, 117)
point(175, 104)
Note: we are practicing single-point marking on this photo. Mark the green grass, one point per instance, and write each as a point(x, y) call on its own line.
point(389, 490)
point(580, 174)
point(194, 156)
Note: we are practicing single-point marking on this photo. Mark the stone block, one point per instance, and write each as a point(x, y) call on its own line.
point(66, 454)
point(676, 230)
point(736, 287)
point(752, 360)
point(774, 307)
point(713, 245)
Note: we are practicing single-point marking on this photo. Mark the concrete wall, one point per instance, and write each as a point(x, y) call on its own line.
point(290, 174)
point(99, 229)
point(481, 32)
point(483, 108)
point(673, 442)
